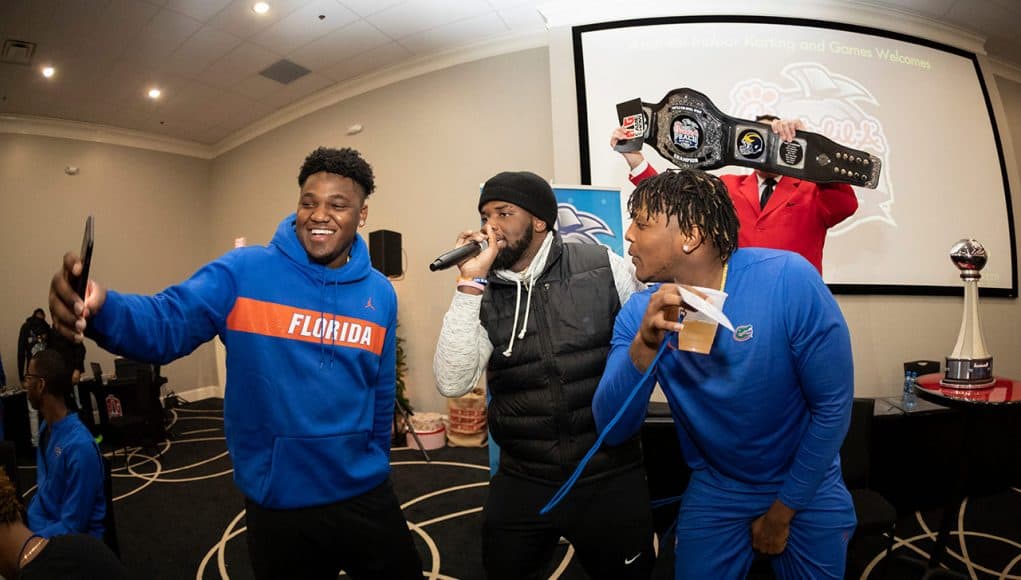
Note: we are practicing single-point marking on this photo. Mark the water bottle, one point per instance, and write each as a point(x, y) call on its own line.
point(910, 398)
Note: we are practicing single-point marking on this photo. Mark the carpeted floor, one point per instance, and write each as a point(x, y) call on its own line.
point(180, 516)
point(989, 547)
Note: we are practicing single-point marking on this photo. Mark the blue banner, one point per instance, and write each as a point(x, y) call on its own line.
point(590, 215)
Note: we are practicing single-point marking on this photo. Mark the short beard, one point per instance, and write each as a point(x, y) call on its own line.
point(511, 254)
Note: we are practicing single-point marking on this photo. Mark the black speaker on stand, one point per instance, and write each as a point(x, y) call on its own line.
point(385, 252)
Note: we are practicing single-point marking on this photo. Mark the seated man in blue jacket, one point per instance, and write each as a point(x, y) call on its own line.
point(309, 328)
point(761, 417)
point(69, 498)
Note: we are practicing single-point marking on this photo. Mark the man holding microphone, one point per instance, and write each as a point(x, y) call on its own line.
point(537, 314)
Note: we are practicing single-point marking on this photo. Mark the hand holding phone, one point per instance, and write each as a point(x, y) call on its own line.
point(82, 283)
point(632, 121)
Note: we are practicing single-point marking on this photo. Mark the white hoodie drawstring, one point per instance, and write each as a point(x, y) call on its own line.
point(528, 308)
point(528, 277)
point(517, 303)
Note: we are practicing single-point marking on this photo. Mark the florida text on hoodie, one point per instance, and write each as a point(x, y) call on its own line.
point(310, 363)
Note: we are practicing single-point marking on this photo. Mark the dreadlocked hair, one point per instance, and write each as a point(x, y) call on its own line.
point(695, 199)
point(10, 507)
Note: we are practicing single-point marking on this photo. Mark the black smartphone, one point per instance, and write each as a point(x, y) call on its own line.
point(86, 257)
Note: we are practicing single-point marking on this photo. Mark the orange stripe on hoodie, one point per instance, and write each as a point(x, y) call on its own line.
point(288, 322)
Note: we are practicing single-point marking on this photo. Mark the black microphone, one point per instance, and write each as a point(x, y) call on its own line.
point(454, 257)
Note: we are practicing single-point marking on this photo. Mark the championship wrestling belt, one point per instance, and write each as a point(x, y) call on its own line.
point(690, 132)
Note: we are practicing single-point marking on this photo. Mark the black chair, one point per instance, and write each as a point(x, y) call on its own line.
point(109, 522)
point(90, 399)
point(16, 426)
point(9, 462)
point(97, 372)
point(876, 515)
point(100, 391)
point(141, 421)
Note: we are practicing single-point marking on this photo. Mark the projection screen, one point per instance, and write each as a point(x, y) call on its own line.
point(920, 106)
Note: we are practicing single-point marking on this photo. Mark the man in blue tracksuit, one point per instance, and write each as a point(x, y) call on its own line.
point(69, 498)
point(761, 417)
point(309, 328)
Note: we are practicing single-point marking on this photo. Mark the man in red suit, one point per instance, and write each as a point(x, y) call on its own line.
point(779, 212)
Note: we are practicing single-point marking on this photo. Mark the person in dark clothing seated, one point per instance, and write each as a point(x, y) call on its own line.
point(28, 556)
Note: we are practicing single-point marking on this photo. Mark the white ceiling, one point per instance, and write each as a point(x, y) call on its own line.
point(205, 55)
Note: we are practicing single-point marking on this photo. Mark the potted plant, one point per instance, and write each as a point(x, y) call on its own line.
point(402, 405)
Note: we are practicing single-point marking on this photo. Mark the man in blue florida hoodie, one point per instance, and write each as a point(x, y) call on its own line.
point(761, 417)
point(69, 498)
point(309, 328)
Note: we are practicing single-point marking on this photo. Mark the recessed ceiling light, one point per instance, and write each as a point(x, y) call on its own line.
point(48, 71)
point(154, 93)
point(260, 7)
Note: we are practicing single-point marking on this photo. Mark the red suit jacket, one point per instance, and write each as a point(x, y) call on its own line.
point(795, 218)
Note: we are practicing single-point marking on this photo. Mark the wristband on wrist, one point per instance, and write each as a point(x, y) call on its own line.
point(471, 284)
point(477, 283)
point(477, 280)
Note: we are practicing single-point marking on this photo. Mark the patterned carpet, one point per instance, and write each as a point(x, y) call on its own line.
point(985, 542)
point(180, 516)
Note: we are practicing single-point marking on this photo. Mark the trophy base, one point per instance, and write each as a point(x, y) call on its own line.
point(969, 373)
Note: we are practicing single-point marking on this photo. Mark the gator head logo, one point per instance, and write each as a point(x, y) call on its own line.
point(833, 105)
point(743, 332)
point(581, 226)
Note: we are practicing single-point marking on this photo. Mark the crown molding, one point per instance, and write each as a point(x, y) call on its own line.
point(563, 13)
point(862, 12)
point(377, 79)
point(96, 133)
point(874, 15)
point(1002, 68)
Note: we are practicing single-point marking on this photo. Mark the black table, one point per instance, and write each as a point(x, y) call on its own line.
point(916, 459)
point(995, 405)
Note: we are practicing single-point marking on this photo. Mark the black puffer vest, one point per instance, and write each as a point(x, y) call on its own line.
point(541, 408)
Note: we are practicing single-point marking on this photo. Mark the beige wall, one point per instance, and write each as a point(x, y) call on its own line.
point(151, 229)
point(431, 141)
point(887, 330)
point(1010, 130)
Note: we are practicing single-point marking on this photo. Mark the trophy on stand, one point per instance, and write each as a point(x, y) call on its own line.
point(969, 366)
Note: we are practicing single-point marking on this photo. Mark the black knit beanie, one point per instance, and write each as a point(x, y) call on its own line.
point(524, 189)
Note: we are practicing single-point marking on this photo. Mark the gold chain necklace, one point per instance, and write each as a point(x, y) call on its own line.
point(28, 555)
